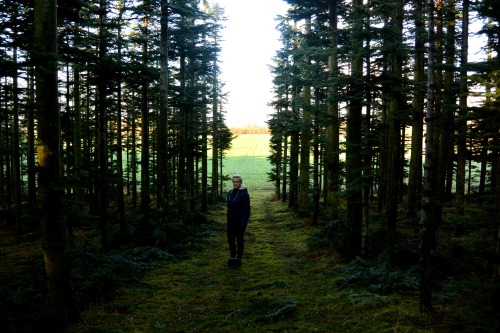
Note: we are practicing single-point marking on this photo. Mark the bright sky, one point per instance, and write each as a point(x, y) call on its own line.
point(249, 41)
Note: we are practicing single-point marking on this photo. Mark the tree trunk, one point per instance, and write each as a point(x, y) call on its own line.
point(438, 112)
point(332, 162)
point(16, 163)
point(394, 145)
point(462, 121)
point(119, 145)
point(133, 159)
point(427, 222)
point(354, 162)
point(284, 168)
point(367, 158)
point(145, 177)
point(163, 116)
point(31, 143)
point(204, 158)
point(102, 154)
point(215, 134)
point(294, 154)
point(316, 158)
point(415, 173)
point(305, 141)
point(61, 308)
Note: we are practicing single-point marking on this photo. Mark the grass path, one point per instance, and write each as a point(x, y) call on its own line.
point(280, 287)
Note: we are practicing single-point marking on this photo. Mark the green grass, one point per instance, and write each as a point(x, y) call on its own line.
point(253, 169)
point(281, 287)
point(248, 158)
point(250, 145)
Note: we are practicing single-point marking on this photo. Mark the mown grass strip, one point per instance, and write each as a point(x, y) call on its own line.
point(280, 287)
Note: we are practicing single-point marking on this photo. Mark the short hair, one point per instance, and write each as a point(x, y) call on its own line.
point(237, 176)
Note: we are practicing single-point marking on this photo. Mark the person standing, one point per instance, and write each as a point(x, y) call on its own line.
point(238, 214)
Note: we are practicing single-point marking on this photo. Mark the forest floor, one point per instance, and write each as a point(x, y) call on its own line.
point(281, 286)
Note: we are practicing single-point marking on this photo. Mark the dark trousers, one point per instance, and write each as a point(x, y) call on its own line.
point(235, 234)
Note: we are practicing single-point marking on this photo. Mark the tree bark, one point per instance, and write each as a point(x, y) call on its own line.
point(61, 307)
point(354, 162)
point(145, 176)
point(332, 161)
point(102, 154)
point(415, 173)
point(462, 120)
point(427, 222)
point(305, 140)
point(163, 115)
point(394, 146)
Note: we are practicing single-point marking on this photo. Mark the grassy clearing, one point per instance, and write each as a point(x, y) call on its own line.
point(253, 169)
point(248, 157)
point(281, 287)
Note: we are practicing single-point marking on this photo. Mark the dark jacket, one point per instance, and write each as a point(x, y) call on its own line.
point(238, 206)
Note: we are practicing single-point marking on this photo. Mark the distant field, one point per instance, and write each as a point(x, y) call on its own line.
point(250, 145)
point(248, 157)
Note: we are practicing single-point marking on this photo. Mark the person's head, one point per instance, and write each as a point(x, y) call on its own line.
point(237, 181)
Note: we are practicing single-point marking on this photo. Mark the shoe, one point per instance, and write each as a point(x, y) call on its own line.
point(237, 263)
point(231, 262)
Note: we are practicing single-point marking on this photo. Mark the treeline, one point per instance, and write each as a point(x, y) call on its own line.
point(389, 75)
point(108, 110)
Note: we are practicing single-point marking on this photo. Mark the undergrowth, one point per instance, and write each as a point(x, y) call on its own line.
point(291, 280)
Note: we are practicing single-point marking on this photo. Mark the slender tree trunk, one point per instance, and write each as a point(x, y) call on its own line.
point(316, 158)
point(215, 134)
point(163, 165)
point(77, 138)
point(367, 158)
point(191, 129)
point(484, 166)
point(354, 162)
point(16, 163)
point(438, 112)
point(132, 159)
point(61, 308)
point(4, 163)
point(382, 160)
point(102, 155)
point(31, 142)
point(7, 159)
point(332, 161)
point(394, 146)
point(446, 152)
point(427, 222)
point(496, 267)
point(462, 121)
point(278, 162)
point(294, 154)
point(284, 168)
point(305, 142)
point(204, 158)
point(415, 173)
point(119, 139)
point(145, 153)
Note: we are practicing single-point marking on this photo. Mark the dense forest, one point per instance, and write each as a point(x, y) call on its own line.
point(112, 118)
point(380, 112)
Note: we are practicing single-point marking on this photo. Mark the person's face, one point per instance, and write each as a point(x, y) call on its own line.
point(236, 183)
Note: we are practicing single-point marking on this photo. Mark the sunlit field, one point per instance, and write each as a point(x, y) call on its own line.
point(248, 157)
